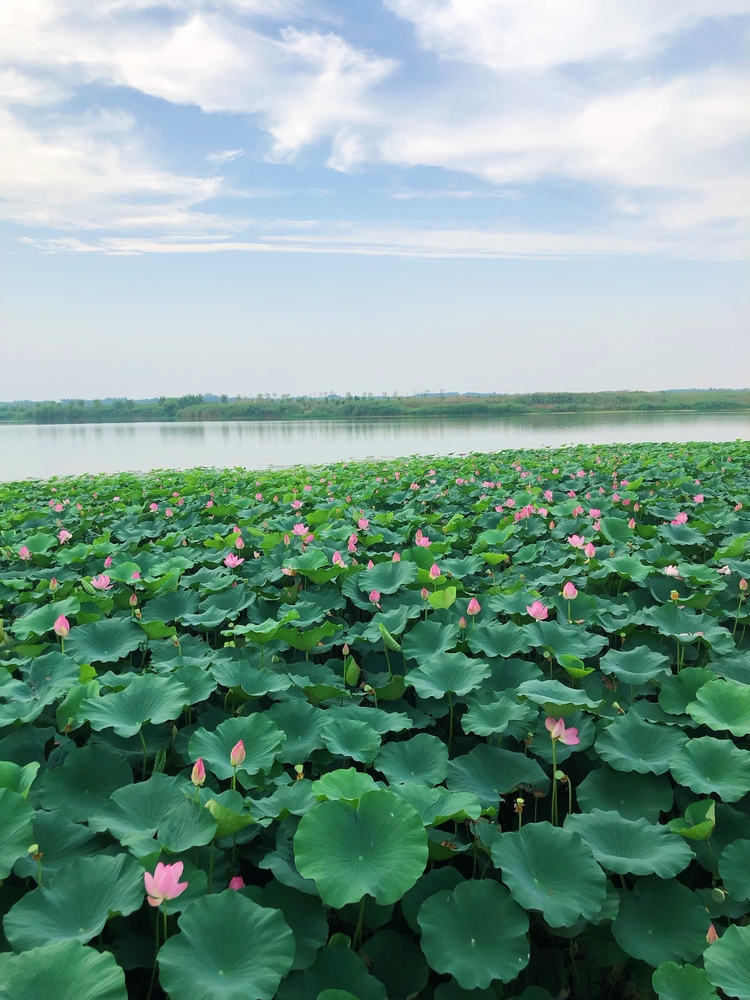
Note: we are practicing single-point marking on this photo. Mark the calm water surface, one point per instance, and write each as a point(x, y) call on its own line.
point(43, 450)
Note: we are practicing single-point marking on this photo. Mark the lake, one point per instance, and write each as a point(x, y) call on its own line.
point(44, 450)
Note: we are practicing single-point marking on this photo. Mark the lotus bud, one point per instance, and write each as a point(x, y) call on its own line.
point(53, 584)
point(743, 584)
point(425, 593)
point(462, 622)
point(569, 592)
point(237, 883)
point(434, 572)
point(62, 627)
point(474, 607)
point(133, 601)
point(711, 936)
point(237, 756)
point(198, 774)
point(374, 596)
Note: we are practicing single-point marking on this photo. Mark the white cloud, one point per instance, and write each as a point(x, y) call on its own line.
point(225, 156)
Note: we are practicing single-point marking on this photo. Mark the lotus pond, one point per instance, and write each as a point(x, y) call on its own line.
point(454, 728)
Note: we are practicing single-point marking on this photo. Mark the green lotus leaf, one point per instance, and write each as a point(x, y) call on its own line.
point(494, 639)
point(552, 870)
point(303, 725)
point(556, 698)
point(476, 933)
point(635, 666)
point(447, 672)
point(568, 640)
point(85, 781)
point(723, 705)
point(350, 738)
point(679, 690)
point(305, 915)
point(336, 995)
point(229, 948)
point(734, 868)
point(699, 821)
point(490, 772)
point(387, 577)
point(660, 921)
point(50, 677)
point(59, 841)
point(254, 682)
point(423, 760)
point(630, 846)
point(16, 829)
point(337, 971)
point(170, 607)
point(16, 778)
point(261, 737)
point(682, 982)
point(104, 641)
point(65, 971)
point(345, 783)
point(629, 793)
point(76, 902)
point(727, 962)
point(427, 885)
point(378, 848)
point(707, 765)
point(397, 963)
point(630, 744)
point(427, 640)
point(437, 805)
point(148, 698)
point(493, 718)
point(42, 619)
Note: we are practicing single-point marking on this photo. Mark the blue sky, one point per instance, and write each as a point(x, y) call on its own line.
point(305, 195)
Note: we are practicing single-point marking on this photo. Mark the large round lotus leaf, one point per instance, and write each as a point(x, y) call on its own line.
point(378, 848)
point(630, 794)
point(170, 607)
point(709, 765)
point(635, 666)
point(336, 995)
point(66, 971)
point(387, 577)
point(425, 886)
point(494, 639)
point(630, 744)
point(438, 805)
point(350, 738)
point(261, 737)
point(397, 963)
point(305, 915)
point(429, 639)
point(476, 933)
point(678, 690)
point(85, 781)
point(148, 698)
point(734, 868)
point(722, 705)
point(105, 641)
point(42, 619)
point(229, 948)
point(661, 921)
point(556, 698)
point(345, 783)
point(59, 842)
point(303, 725)
point(442, 673)
point(493, 718)
point(77, 902)
point(682, 982)
point(727, 962)
point(631, 846)
point(551, 870)
point(423, 760)
point(336, 968)
point(16, 829)
point(489, 772)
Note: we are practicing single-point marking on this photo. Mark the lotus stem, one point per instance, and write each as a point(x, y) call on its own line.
point(357, 940)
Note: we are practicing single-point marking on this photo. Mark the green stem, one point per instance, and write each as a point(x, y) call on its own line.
point(166, 928)
point(156, 955)
point(357, 941)
point(387, 660)
point(145, 752)
point(211, 867)
point(234, 778)
point(38, 870)
point(570, 796)
point(554, 782)
point(450, 724)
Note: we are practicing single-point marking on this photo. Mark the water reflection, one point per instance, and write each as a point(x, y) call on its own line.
point(62, 449)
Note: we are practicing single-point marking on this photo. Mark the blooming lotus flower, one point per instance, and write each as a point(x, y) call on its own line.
point(153, 506)
point(101, 582)
point(577, 541)
point(681, 518)
point(258, 497)
point(435, 572)
point(374, 596)
point(164, 883)
point(672, 571)
point(300, 529)
point(63, 536)
point(424, 542)
point(569, 591)
point(558, 731)
point(363, 523)
point(698, 498)
point(548, 495)
point(62, 627)
point(108, 562)
point(232, 561)
point(209, 503)
point(474, 607)
point(237, 756)
point(198, 774)
point(594, 512)
point(537, 610)
point(237, 883)
point(23, 553)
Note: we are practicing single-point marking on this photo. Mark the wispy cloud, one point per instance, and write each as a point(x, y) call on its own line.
point(224, 156)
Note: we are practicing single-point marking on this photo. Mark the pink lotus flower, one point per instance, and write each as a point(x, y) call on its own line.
point(62, 627)
point(363, 523)
point(198, 774)
point(374, 596)
point(589, 550)
point(337, 559)
point(396, 557)
point(133, 600)
point(425, 593)
point(108, 562)
point(237, 883)
point(239, 543)
point(548, 496)
point(164, 883)
point(352, 543)
point(698, 498)
point(209, 503)
point(58, 508)
point(631, 523)
point(101, 582)
point(577, 541)
point(232, 561)
point(474, 607)
point(577, 511)
point(296, 504)
point(711, 936)
point(155, 506)
point(681, 518)
point(672, 571)
point(435, 572)
point(63, 536)
point(595, 512)
point(424, 542)
point(258, 497)
point(169, 512)
point(23, 553)
point(558, 731)
point(237, 756)
point(569, 591)
point(537, 610)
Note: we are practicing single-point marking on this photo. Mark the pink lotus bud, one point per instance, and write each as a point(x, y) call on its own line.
point(136, 575)
point(53, 584)
point(462, 622)
point(153, 506)
point(209, 503)
point(238, 542)
point(345, 649)
point(396, 557)
point(374, 596)
point(537, 611)
point(237, 756)
point(743, 585)
point(286, 540)
point(590, 550)
point(62, 627)
point(548, 496)
point(169, 512)
point(337, 559)
point(370, 564)
point(474, 607)
point(108, 562)
point(23, 553)
point(133, 601)
point(352, 544)
point(198, 774)
point(698, 498)
point(552, 526)
point(631, 523)
point(435, 572)
point(425, 593)
point(569, 591)
point(237, 882)
point(711, 936)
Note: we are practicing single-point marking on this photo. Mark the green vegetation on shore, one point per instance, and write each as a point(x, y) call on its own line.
point(367, 406)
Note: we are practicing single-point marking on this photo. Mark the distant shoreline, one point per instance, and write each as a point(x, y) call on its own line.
point(191, 409)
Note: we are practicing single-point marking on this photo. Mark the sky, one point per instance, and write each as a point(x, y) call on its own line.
point(305, 196)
